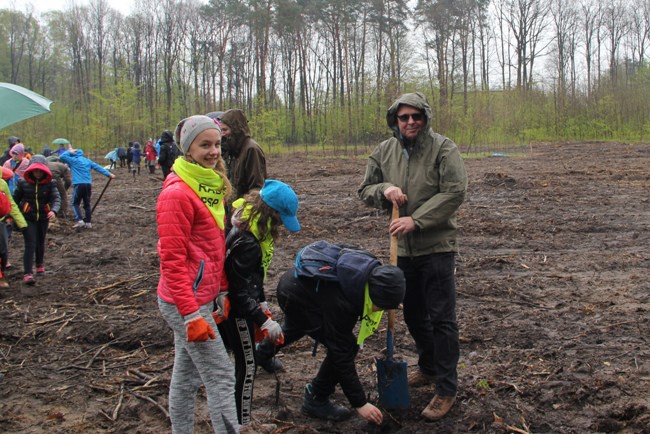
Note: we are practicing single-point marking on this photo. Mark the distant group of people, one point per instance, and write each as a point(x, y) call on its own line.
point(33, 188)
point(218, 220)
point(163, 153)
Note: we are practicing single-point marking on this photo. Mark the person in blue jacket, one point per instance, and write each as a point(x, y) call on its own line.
point(81, 167)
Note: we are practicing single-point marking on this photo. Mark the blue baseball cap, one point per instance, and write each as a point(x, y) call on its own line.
point(283, 199)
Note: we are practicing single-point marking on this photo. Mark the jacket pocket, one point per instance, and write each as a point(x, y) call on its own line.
point(25, 207)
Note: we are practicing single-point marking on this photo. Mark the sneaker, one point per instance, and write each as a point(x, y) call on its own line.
point(40, 269)
point(8, 266)
point(3, 283)
point(323, 408)
point(418, 378)
point(80, 224)
point(438, 407)
point(28, 279)
point(270, 365)
point(88, 226)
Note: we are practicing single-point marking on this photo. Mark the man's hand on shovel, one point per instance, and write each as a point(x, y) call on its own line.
point(401, 226)
point(398, 225)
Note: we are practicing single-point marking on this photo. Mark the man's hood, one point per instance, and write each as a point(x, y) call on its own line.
point(236, 120)
point(167, 136)
point(417, 100)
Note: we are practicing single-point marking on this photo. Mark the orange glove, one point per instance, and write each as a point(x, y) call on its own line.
point(273, 331)
point(223, 308)
point(259, 334)
point(269, 327)
point(198, 329)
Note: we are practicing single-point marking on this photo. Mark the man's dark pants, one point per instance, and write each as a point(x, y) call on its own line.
point(430, 315)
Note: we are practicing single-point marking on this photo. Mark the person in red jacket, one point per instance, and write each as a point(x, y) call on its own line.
point(150, 156)
point(190, 213)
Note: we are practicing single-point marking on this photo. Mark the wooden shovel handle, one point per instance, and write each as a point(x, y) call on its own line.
point(393, 238)
point(393, 261)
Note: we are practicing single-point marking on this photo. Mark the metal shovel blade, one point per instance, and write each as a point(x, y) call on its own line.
point(393, 385)
point(392, 379)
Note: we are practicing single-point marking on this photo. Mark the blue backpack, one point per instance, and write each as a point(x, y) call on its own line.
point(323, 260)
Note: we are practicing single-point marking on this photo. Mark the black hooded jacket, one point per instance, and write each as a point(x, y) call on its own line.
point(36, 198)
point(324, 311)
point(167, 154)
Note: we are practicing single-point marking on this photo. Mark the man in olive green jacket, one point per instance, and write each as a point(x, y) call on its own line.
point(422, 173)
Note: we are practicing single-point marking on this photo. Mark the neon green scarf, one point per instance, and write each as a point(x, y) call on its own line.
point(370, 320)
point(267, 243)
point(207, 184)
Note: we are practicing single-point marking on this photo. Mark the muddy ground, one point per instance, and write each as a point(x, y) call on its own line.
point(552, 286)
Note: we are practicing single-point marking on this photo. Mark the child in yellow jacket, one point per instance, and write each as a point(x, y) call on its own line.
point(17, 217)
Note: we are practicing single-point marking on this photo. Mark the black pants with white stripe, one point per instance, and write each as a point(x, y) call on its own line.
point(239, 335)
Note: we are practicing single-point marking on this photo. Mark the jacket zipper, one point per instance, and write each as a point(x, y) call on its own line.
point(199, 277)
point(405, 191)
point(36, 201)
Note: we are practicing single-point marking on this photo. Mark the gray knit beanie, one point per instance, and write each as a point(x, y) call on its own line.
point(189, 128)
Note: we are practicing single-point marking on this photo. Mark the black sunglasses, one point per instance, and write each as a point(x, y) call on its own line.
point(415, 116)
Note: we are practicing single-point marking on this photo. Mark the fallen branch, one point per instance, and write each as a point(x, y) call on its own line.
point(616, 324)
point(505, 383)
point(94, 291)
point(290, 425)
point(50, 320)
point(102, 348)
point(116, 410)
point(500, 422)
point(139, 373)
point(151, 400)
point(66, 323)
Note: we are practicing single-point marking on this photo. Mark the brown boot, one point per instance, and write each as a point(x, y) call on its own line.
point(438, 407)
point(418, 378)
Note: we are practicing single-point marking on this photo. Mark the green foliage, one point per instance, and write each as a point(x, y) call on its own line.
point(132, 103)
point(483, 385)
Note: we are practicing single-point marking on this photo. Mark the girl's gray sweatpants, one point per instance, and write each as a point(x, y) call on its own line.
point(197, 363)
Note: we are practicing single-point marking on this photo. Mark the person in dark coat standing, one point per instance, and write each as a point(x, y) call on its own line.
point(422, 173)
point(129, 156)
point(136, 158)
point(168, 152)
point(46, 150)
point(121, 154)
point(247, 162)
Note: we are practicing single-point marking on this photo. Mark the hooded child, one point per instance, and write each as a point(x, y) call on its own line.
point(18, 163)
point(38, 199)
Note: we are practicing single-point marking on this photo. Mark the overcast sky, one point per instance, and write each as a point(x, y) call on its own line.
point(41, 6)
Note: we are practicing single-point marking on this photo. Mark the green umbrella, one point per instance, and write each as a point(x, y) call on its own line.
point(60, 141)
point(19, 104)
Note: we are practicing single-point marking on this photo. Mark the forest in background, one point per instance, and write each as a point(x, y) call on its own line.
point(323, 72)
